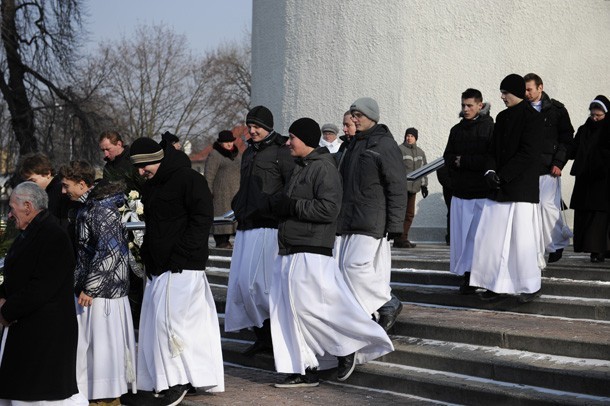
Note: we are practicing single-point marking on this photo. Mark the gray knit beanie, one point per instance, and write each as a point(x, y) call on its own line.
point(366, 106)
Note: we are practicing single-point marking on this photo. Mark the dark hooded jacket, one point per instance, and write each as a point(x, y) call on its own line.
point(557, 135)
point(374, 185)
point(470, 140)
point(179, 214)
point(315, 184)
point(101, 243)
point(265, 170)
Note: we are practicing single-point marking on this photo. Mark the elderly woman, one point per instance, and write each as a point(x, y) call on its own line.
point(591, 189)
point(222, 170)
point(37, 308)
point(106, 342)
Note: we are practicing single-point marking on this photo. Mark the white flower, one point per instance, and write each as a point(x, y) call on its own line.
point(139, 209)
point(133, 195)
point(130, 245)
point(122, 208)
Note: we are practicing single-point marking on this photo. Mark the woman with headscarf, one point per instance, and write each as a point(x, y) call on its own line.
point(222, 170)
point(591, 189)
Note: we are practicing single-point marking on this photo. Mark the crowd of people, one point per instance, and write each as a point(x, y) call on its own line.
point(315, 217)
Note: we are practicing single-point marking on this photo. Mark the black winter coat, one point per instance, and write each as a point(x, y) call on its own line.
point(121, 169)
point(315, 184)
point(374, 185)
point(515, 153)
point(556, 136)
point(265, 170)
point(470, 140)
point(39, 361)
point(591, 167)
point(179, 214)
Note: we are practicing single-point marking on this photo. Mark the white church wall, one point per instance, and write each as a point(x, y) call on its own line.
point(415, 57)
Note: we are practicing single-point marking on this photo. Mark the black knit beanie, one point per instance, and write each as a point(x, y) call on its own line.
point(225, 136)
point(514, 84)
point(600, 102)
point(145, 151)
point(260, 116)
point(307, 130)
point(413, 131)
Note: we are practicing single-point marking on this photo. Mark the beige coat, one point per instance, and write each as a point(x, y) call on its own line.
point(222, 171)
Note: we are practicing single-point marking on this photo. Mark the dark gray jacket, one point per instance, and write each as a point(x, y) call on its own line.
point(557, 135)
point(374, 185)
point(316, 186)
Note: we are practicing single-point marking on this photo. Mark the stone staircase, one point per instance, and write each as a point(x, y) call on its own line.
point(458, 349)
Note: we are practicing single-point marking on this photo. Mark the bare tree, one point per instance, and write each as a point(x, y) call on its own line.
point(229, 78)
point(39, 39)
point(158, 85)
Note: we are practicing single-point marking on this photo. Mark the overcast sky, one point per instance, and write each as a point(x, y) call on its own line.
point(206, 23)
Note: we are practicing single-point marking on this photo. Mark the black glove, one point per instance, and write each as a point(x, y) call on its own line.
point(393, 236)
point(492, 179)
point(424, 191)
point(285, 207)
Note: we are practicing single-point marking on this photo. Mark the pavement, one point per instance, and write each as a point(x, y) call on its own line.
point(250, 386)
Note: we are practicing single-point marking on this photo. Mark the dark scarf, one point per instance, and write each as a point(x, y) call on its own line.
point(231, 154)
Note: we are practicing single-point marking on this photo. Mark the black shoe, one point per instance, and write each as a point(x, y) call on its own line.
point(142, 398)
point(174, 395)
point(595, 257)
point(403, 244)
point(388, 313)
point(490, 296)
point(258, 346)
point(310, 379)
point(468, 290)
point(528, 297)
point(555, 256)
point(465, 288)
point(346, 366)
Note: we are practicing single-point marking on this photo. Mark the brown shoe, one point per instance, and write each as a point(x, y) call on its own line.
point(225, 245)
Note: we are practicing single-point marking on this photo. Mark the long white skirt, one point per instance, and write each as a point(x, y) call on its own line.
point(106, 355)
point(179, 337)
point(464, 218)
point(74, 400)
point(366, 265)
point(508, 254)
point(313, 313)
point(254, 260)
point(550, 214)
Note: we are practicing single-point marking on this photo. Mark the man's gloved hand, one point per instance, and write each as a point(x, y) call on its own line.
point(424, 191)
point(393, 236)
point(492, 179)
point(285, 207)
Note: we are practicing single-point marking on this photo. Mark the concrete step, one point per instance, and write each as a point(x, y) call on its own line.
point(586, 376)
point(550, 286)
point(547, 305)
point(589, 300)
point(562, 373)
point(508, 330)
point(429, 383)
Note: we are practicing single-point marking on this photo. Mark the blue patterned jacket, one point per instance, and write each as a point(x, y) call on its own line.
point(101, 243)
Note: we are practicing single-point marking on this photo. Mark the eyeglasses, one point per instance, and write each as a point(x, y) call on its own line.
point(597, 115)
point(357, 114)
